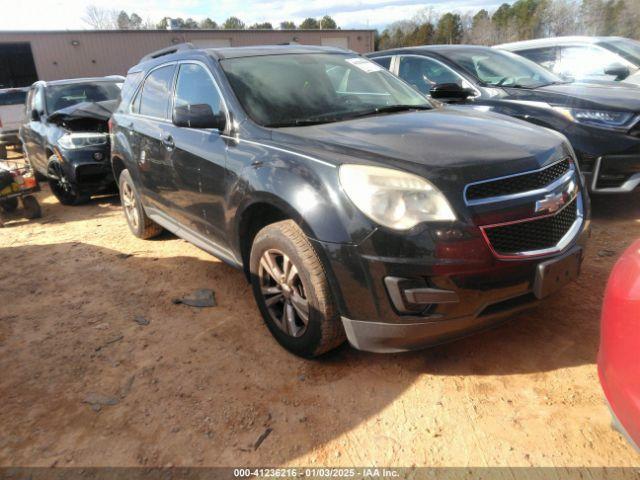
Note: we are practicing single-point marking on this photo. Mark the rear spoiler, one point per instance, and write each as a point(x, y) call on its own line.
point(167, 51)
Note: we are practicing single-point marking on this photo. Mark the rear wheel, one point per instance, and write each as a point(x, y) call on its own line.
point(292, 291)
point(64, 190)
point(139, 223)
point(9, 205)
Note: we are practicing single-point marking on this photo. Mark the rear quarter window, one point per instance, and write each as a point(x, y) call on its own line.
point(129, 88)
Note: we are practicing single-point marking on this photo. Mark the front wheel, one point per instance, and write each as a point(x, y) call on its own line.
point(64, 190)
point(292, 291)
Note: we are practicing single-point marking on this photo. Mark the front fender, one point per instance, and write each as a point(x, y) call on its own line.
point(305, 191)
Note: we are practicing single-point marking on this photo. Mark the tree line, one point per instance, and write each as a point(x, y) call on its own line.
point(104, 19)
point(521, 20)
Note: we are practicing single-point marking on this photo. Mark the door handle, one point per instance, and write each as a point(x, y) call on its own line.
point(168, 142)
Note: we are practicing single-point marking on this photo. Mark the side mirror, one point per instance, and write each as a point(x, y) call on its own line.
point(450, 91)
point(198, 116)
point(35, 115)
point(617, 70)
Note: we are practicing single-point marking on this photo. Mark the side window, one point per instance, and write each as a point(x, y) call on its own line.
point(424, 73)
point(155, 93)
point(195, 87)
point(383, 61)
point(545, 57)
point(579, 61)
point(128, 89)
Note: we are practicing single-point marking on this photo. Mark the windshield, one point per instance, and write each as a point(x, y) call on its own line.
point(503, 69)
point(12, 97)
point(302, 89)
point(63, 96)
point(629, 49)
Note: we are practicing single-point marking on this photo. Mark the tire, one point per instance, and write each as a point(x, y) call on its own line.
point(31, 207)
point(3, 152)
point(139, 223)
point(277, 245)
point(9, 205)
point(66, 192)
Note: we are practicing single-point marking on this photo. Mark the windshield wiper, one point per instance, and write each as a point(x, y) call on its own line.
point(389, 109)
point(333, 117)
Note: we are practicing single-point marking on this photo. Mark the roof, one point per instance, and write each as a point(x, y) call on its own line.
point(433, 48)
point(189, 51)
point(69, 81)
point(552, 41)
point(264, 50)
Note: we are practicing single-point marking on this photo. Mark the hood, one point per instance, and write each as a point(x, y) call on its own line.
point(455, 145)
point(84, 114)
point(603, 96)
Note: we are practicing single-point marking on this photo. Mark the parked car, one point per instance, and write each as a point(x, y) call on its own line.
point(355, 206)
point(584, 58)
point(66, 136)
point(601, 122)
point(12, 102)
point(618, 359)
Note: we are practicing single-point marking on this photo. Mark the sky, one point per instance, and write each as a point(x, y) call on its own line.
point(68, 14)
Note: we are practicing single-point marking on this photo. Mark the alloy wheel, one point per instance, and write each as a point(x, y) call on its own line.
point(130, 205)
point(283, 293)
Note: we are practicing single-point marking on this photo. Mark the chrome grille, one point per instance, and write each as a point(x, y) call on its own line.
point(517, 183)
point(532, 235)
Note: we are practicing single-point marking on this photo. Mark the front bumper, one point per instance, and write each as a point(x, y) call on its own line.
point(470, 288)
point(88, 168)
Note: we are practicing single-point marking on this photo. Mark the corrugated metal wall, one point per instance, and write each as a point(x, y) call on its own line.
point(59, 55)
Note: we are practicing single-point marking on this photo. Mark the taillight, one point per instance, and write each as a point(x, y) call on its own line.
point(110, 124)
point(0, 123)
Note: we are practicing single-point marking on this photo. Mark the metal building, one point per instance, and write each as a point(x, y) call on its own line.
point(52, 55)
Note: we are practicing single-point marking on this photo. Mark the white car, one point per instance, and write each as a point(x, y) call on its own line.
point(584, 58)
point(12, 116)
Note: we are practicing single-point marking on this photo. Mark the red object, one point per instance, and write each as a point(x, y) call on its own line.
point(619, 356)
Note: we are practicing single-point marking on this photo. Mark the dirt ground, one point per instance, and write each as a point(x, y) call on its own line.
point(82, 383)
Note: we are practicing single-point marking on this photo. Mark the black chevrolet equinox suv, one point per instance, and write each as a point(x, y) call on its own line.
point(357, 208)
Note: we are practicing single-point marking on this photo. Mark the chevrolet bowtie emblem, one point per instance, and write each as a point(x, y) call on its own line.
point(552, 203)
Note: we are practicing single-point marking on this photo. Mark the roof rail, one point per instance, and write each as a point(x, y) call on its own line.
point(167, 51)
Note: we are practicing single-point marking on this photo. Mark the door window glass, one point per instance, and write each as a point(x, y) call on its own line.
point(383, 61)
point(195, 87)
point(424, 73)
point(581, 61)
point(545, 57)
point(156, 91)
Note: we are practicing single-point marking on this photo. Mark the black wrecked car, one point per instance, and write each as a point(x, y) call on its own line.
point(602, 121)
point(356, 207)
point(66, 138)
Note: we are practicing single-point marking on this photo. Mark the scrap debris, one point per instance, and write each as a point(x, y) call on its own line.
point(200, 298)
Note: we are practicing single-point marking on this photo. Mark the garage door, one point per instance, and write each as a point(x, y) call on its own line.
point(17, 68)
point(212, 43)
point(340, 42)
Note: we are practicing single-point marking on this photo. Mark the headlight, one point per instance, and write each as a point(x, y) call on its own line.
point(81, 140)
point(598, 118)
point(392, 198)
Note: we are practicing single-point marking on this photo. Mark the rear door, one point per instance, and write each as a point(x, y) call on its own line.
point(149, 114)
point(199, 156)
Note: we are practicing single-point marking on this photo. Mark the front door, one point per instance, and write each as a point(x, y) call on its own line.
point(199, 157)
